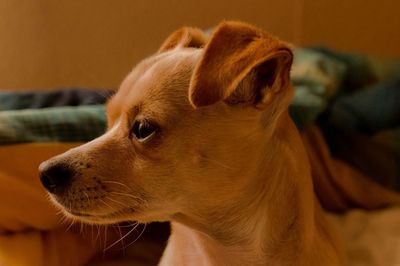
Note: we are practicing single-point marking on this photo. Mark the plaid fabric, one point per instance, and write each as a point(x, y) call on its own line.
point(43, 99)
point(63, 124)
point(13, 101)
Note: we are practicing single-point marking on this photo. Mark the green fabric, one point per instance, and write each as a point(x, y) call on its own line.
point(63, 124)
point(316, 78)
point(12, 100)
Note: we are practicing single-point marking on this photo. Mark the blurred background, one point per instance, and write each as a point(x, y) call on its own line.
point(347, 102)
point(94, 43)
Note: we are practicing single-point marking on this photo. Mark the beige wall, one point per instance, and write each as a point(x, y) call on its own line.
point(94, 43)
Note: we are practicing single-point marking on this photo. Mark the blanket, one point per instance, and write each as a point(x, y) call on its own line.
point(61, 124)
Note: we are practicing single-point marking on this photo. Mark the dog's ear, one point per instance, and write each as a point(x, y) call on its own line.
point(184, 37)
point(240, 65)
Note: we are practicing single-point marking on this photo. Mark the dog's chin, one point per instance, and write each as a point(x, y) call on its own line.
point(103, 217)
point(122, 215)
point(115, 217)
point(96, 217)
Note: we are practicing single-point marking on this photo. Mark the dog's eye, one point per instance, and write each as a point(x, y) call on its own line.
point(143, 130)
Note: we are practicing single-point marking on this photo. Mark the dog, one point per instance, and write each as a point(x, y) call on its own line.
point(199, 135)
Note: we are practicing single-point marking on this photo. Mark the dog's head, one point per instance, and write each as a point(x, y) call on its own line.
point(186, 129)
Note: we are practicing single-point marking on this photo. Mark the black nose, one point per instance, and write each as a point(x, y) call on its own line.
point(55, 177)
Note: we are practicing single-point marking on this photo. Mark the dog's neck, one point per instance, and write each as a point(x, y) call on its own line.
point(275, 222)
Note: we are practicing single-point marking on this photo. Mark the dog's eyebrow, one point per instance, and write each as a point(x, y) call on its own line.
point(132, 111)
point(127, 116)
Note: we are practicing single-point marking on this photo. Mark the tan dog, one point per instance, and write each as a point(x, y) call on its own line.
point(201, 136)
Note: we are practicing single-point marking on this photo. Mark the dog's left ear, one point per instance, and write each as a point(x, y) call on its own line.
point(241, 64)
point(184, 37)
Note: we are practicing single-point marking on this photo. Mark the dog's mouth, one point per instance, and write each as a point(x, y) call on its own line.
point(96, 215)
point(96, 205)
point(100, 217)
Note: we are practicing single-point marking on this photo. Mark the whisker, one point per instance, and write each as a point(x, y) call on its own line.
point(126, 226)
point(141, 233)
point(116, 201)
point(81, 228)
point(72, 223)
point(63, 219)
point(98, 233)
point(101, 239)
point(122, 241)
point(116, 183)
point(122, 238)
point(87, 196)
point(125, 194)
point(105, 203)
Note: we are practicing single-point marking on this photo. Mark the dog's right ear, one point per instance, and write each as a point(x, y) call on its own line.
point(184, 37)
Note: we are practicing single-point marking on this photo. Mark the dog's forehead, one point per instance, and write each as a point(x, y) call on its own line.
point(163, 72)
point(159, 83)
point(161, 77)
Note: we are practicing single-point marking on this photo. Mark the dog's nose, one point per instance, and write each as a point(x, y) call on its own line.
point(55, 177)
